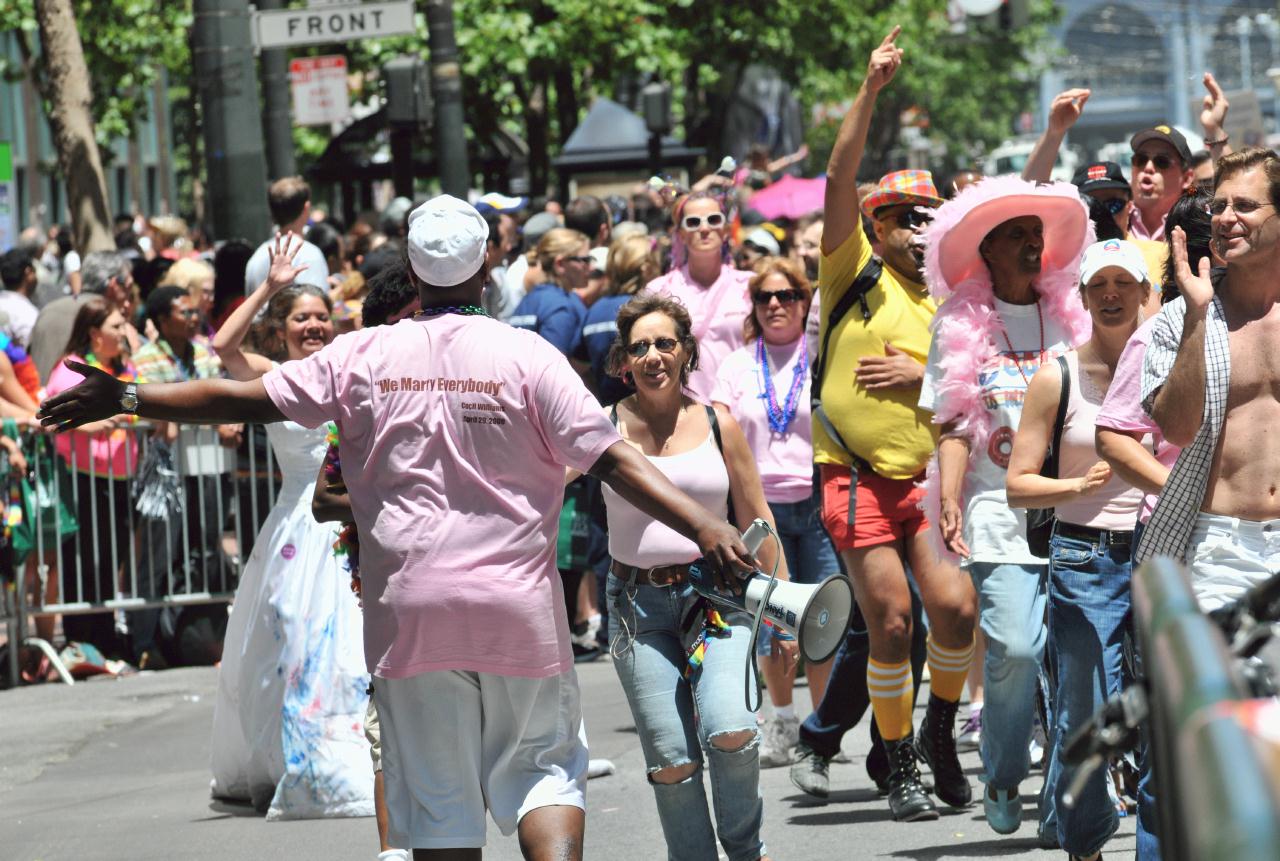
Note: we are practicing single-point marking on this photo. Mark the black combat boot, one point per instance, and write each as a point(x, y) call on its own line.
point(907, 797)
point(936, 747)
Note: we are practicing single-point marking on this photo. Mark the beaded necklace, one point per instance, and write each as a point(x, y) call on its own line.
point(466, 310)
point(780, 417)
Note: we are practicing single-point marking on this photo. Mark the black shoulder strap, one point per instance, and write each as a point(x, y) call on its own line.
point(715, 432)
point(613, 414)
point(1064, 397)
point(857, 292)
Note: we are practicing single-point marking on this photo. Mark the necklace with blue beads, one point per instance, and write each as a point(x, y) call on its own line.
point(465, 310)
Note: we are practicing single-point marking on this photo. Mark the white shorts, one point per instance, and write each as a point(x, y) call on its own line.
point(1229, 556)
point(457, 743)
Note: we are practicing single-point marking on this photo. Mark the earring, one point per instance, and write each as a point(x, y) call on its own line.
point(627, 378)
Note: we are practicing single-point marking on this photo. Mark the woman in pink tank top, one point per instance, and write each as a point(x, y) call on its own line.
point(1094, 515)
point(680, 661)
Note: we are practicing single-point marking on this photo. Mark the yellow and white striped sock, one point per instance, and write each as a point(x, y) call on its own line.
point(889, 686)
point(948, 669)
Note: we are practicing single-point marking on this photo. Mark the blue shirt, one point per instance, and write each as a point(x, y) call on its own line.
point(553, 313)
point(598, 334)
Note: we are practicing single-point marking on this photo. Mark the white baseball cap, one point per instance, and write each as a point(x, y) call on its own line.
point(448, 239)
point(1113, 252)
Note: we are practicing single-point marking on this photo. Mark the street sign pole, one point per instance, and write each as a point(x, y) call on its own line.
point(276, 121)
point(231, 115)
point(446, 85)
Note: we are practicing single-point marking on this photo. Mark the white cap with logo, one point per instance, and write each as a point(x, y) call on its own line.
point(1113, 252)
point(448, 239)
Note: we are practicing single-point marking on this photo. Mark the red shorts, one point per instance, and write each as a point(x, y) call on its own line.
point(887, 509)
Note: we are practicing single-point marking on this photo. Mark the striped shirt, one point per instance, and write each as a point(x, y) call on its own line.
point(1168, 532)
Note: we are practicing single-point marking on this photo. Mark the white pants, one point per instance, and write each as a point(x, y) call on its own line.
point(457, 743)
point(1229, 556)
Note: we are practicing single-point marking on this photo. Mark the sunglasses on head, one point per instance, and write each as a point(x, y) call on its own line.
point(640, 349)
point(785, 297)
point(693, 222)
point(1161, 161)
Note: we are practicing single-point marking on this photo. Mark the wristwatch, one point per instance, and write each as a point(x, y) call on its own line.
point(129, 400)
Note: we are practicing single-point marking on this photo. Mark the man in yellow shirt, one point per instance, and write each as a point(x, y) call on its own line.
point(872, 443)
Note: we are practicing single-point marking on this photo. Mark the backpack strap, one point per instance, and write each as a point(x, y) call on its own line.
point(866, 279)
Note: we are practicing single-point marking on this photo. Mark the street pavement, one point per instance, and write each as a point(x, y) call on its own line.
point(118, 769)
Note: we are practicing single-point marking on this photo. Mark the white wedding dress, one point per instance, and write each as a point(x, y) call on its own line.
point(288, 724)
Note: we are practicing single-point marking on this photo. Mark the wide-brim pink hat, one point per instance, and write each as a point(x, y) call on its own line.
point(959, 226)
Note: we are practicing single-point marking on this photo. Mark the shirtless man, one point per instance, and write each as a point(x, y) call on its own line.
point(1220, 510)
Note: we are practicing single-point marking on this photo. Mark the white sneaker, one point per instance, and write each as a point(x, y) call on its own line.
point(970, 732)
point(1038, 745)
point(394, 855)
point(778, 738)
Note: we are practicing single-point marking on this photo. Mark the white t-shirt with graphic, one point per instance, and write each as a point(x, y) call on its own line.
point(994, 531)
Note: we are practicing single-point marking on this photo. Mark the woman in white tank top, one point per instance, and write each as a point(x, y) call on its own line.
point(681, 663)
point(1094, 515)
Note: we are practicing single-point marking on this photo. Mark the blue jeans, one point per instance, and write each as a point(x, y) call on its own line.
point(677, 718)
point(1089, 615)
point(1011, 608)
point(806, 547)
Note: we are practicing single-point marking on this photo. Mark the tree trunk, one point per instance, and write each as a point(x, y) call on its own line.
point(65, 86)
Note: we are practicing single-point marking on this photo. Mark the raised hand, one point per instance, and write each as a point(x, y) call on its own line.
point(1066, 108)
point(1213, 110)
point(1196, 288)
point(94, 398)
point(282, 272)
point(884, 62)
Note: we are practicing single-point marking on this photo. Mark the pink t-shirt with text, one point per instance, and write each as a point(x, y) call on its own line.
point(454, 435)
point(717, 311)
point(785, 460)
point(1122, 408)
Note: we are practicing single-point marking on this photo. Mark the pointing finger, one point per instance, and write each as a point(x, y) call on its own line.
point(893, 34)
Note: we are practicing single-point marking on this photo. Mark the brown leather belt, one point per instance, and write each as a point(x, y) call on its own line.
point(663, 575)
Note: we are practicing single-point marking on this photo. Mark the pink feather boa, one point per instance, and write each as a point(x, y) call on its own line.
point(967, 325)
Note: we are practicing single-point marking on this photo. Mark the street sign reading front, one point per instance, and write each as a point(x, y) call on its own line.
point(320, 25)
point(319, 86)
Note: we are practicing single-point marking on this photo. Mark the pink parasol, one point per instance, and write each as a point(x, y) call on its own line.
point(789, 197)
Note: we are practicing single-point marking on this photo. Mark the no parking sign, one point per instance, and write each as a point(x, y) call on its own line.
point(319, 90)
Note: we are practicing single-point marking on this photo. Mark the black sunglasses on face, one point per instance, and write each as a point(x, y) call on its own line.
point(1115, 205)
point(640, 349)
point(1162, 161)
point(693, 222)
point(912, 219)
point(583, 259)
point(785, 297)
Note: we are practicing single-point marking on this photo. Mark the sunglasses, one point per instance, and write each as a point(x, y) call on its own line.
point(1115, 205)
point(692, 222)
point(912, 219)
point(1162, 161)
point(640, 349)
point(582, 259)
point(1240, 206)
point(785, 297)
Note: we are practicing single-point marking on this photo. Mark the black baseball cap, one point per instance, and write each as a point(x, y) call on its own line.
point(1099, 175)
point(1169, 135)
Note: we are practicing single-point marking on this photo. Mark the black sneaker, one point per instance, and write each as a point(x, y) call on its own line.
point(936, 747)
point(809, 771)
point(907, 798)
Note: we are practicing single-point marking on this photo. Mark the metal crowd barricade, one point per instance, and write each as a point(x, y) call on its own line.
point(172, 533)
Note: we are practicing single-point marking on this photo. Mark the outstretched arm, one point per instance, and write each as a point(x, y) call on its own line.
point(195, 402)
point(227, 341)
point(840, 206)
point(1063, 113)
point(1213, 118)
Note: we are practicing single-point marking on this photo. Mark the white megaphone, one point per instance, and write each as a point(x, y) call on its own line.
point(816, 614)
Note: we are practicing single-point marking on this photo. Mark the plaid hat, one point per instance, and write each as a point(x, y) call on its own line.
point(1169, 135)
point(902, 186)
point(1099, 175)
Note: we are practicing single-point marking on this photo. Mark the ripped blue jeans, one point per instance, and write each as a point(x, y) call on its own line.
point(678, 718)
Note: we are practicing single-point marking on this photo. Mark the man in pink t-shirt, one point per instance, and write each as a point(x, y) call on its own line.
point(456, 431)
